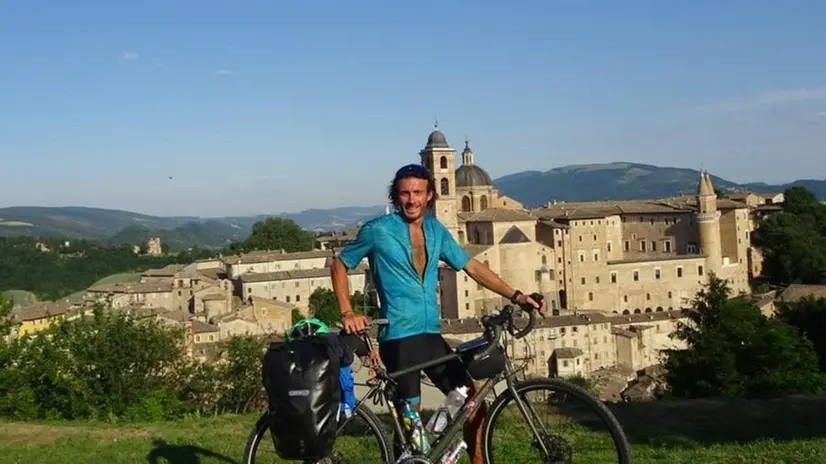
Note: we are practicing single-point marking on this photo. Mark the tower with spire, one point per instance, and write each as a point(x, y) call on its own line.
point(440, 159)
point(708, 218)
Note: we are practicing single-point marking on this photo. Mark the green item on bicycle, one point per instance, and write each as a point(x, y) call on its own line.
point(307, 327)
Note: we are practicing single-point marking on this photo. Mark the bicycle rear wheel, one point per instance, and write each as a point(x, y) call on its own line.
point(507, 436)
point(360, 439)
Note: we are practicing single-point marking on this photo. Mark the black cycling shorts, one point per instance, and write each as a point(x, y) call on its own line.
point(405, 352)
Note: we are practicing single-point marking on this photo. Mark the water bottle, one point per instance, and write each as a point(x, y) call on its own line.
point(415, 429)
point(449, 409)
point(452, 457)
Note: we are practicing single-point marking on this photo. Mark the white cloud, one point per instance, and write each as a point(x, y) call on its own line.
point(779, 97)
point(128, 56)
point(224, 72)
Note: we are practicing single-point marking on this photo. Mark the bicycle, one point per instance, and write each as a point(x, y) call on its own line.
point(483, 348)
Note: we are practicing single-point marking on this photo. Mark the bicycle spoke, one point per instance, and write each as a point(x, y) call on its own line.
point(569, 428)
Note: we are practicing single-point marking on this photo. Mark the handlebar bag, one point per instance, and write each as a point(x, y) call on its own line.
point(302, 378)
point(479, 366)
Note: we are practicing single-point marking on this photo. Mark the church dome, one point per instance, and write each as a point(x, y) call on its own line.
point(470, 175)
point(437, 139)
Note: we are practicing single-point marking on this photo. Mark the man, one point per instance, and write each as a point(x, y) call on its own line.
point(404, 250)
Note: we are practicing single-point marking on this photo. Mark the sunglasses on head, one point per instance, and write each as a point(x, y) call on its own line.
point(416, 170)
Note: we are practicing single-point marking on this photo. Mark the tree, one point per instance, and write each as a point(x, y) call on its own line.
point(808, 316)
point(733, 350)
point(276, 234)
point(793, 241)
point(324, 307)
point(296, 315)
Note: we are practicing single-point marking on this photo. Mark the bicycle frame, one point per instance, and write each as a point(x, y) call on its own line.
point(455, 425)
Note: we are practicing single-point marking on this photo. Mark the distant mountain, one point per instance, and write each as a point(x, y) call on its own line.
point(115, 226)
point(586, 182)
point(621, 181)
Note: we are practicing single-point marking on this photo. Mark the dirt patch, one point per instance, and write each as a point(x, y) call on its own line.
point(22, 433)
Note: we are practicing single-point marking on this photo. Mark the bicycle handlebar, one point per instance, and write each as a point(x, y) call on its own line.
point(494, 323)
point(504, 320)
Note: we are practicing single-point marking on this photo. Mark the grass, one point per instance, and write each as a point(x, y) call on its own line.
point(123, 277)
point(790, 430)
point(21, 297)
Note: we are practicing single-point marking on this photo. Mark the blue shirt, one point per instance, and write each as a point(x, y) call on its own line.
point(409, 304)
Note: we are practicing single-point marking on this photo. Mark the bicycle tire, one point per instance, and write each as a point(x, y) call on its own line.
point(556, 385)
point(263, 423)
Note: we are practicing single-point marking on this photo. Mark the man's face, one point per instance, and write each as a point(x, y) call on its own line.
point(413, 197)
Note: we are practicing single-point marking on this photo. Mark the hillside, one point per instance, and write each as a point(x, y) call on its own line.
point(587, 182)
point(786, 430)
point(621, 181)
point(115, 226)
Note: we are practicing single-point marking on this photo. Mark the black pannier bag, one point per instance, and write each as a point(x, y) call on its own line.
point(301, 378)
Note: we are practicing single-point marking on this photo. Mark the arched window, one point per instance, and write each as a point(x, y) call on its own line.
point(483, 203)
point(626, 312)
point(659, 309)
point(445, 187)
point(637, 311)
point(443, 162)
point(648, 310)
point(466, 204)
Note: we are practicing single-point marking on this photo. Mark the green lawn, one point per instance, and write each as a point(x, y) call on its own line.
point(21, 297)
point(123, 277)
point(777, 431)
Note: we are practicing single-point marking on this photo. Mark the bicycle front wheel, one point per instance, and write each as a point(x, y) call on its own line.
point(360, 439)
point(512, 434)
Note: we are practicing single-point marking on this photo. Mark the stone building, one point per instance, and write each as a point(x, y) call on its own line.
point(624, 257)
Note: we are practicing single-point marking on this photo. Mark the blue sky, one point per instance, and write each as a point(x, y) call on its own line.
point(102, 101)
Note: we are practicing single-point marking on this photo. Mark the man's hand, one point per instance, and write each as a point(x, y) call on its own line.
point(354, 323)
point(526, 300)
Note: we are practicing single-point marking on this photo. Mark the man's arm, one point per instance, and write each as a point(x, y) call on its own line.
point(488, 279)
point(341, 286)
point(347, 259)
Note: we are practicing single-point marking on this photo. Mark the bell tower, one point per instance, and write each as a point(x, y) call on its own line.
point(708, 217)
point(438, 157)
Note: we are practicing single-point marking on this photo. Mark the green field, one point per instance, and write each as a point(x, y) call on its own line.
point(775, 431)
point(123, 277)
point(21, 297)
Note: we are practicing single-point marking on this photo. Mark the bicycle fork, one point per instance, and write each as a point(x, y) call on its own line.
point(527, 410)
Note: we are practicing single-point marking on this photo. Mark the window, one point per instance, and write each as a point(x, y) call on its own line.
point(627, 245)
point(608, 245)
point(443, 162)
point(642, 245)
point(596, 279)
point(667, 246)
point(581, 257)
point(297, 298)
point(582, 281)
point(613, 277)
point(625, 299)
point(653, 245)
point(699, 270)
point(657, 273)
point(596, 256)
point(636, 276)
point(445, 187)
point(590, 296)
point(679, 272)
